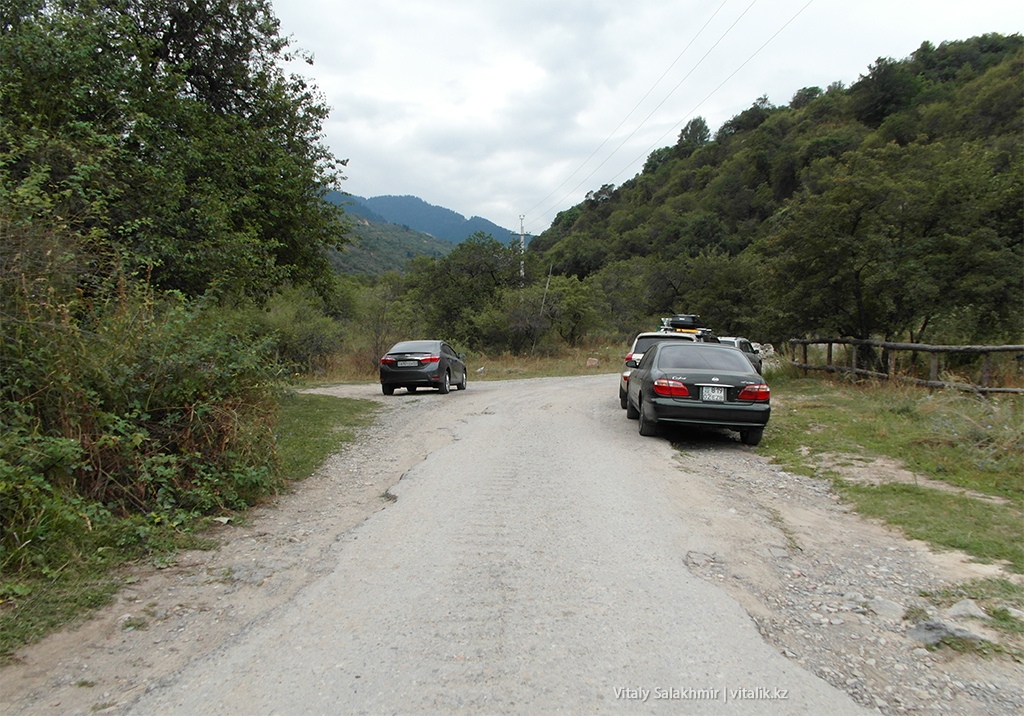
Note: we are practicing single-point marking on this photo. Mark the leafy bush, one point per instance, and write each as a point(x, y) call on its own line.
point(139, 404)
point(298, 330)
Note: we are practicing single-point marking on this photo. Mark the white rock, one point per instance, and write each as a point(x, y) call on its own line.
point(966, 608)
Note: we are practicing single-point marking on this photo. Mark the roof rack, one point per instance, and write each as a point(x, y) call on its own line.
point(682, 321)
point(685, 323)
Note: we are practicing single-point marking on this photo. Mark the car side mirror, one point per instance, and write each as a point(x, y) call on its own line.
point(632, 363)
point(462, 356)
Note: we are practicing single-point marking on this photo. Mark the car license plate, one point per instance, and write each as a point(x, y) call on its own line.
point(713, 393)
point(408, 363)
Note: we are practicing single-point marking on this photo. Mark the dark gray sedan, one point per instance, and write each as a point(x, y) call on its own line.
point(698, 384)
point(422, 364)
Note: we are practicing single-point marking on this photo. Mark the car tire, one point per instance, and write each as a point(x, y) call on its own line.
point(461, 385)
point(751, 437)
point(446, 383)
point(648, 428)
point(387, 389)
point(631, 412)
point(411, 388)
point(622, 398)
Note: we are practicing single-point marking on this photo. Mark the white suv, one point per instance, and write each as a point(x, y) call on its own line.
point(640, 344)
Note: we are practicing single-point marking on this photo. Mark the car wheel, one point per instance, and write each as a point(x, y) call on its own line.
point(387, 389)
point(631, 412)
point(461, 385)
point(648, 428)
point(622, 398)
point(411, 388)
point(446, 383)
point(751, 437)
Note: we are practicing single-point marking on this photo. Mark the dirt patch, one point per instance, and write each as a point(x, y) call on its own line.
point(841, 594)
point(884, 470)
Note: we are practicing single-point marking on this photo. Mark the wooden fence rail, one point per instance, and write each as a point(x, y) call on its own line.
point(893, 349)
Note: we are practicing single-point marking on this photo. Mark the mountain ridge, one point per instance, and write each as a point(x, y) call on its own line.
point(416, 214)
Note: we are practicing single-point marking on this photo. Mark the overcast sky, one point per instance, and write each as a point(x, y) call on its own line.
point(503, 108)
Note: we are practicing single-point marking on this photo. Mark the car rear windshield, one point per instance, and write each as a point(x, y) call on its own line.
point(701, 357)
point(415, 347)
point(645, 342)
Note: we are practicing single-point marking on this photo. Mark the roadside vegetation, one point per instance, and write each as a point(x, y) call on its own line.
point(945, 467)
point(953, 463)
point(94, 563)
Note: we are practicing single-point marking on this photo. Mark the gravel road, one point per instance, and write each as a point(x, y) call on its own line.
point(518, 548)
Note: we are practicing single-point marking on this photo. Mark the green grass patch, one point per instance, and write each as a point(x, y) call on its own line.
point(37, 601)
point(34, 603)
point(987, 532)
point(963, 440)
point(960, 439)
point(312, 427)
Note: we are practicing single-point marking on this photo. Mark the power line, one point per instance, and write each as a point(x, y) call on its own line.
point(635, 108)
point(710, 94)
point(690, 113)
point(644, 121)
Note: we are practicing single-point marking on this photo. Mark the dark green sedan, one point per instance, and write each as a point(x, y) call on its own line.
point(698, 384)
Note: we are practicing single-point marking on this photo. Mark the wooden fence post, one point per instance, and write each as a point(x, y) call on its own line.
point(887, 366)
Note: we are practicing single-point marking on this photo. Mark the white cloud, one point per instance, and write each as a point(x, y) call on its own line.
point(493, 108)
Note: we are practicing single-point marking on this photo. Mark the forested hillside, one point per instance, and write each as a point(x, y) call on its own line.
point(376, 248)
point(890, 209)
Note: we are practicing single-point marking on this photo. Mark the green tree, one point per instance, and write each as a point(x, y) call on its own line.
point(896, 237)
point(383, 317)
point(887, 88)
point(694, 135)
point(804, 97)
point(451, 290)
point(167, 133)
point(572, 306)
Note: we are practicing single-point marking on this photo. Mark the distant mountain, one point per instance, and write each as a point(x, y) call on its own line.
point(417, 214)
point(378, 247)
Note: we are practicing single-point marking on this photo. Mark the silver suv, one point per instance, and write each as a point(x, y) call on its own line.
point(752, 353)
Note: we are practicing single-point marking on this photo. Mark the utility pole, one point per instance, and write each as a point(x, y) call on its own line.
point(522, 249)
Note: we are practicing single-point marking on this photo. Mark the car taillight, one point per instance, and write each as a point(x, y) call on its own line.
point(387, 360)
point(757, 393)
point(670, 388)
point(430, 359)
point(629, 357)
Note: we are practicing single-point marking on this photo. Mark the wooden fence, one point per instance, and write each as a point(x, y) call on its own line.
point(890, 352)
